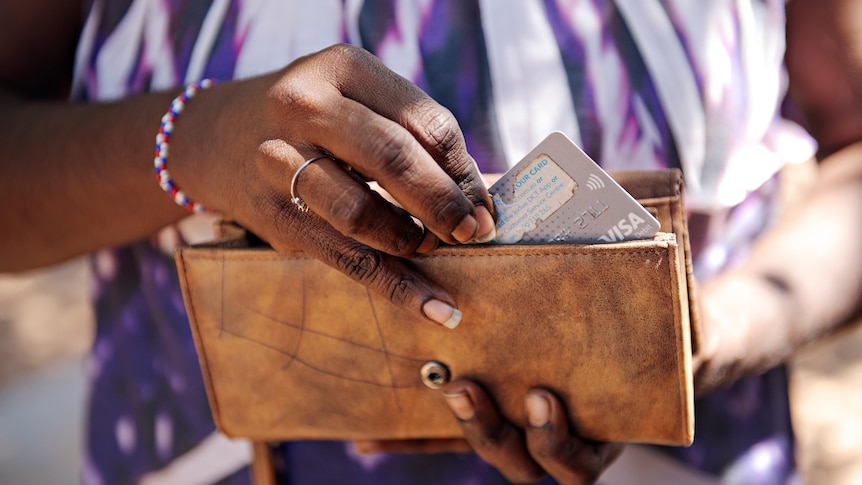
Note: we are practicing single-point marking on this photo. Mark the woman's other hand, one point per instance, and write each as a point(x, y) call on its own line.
point(544, 444)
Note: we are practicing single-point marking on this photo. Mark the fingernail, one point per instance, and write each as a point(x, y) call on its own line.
point(461, 405)
point(487, 228)
point(466, 230)
point(538, 410)
point(442, 313)
point(429, 243)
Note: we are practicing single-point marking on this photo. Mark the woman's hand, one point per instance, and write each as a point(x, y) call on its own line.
point(544, 444)
point(379, 126)
point(235, 149)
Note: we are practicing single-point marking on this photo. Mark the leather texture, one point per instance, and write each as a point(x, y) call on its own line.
point(292, 349)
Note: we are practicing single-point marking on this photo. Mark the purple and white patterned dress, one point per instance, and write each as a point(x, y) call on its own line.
point(639, 84)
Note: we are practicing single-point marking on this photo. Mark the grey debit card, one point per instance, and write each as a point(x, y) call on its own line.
point(557, 193)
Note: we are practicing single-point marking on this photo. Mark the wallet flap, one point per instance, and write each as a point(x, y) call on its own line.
point(292, 349)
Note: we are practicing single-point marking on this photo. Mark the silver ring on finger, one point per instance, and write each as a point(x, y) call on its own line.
point(297, 201)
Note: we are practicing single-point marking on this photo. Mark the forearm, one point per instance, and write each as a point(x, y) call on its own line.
point(77, 177)
point(803, 279)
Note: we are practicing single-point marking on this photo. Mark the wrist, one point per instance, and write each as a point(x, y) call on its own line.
point(162, 147)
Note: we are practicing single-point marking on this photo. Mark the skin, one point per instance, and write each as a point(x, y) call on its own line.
point(803, 279)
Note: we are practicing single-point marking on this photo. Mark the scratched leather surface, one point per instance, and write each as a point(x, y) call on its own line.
point(291, 349)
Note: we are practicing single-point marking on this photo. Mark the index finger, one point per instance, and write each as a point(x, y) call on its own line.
point(386, 152)
point(413, 147)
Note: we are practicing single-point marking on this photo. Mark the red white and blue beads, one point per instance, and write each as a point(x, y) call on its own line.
point(163, 137)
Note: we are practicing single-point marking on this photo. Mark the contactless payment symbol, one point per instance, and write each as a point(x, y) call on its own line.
point(594, 182)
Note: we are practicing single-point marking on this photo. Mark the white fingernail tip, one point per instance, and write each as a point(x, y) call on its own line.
point(454, 320)
point(442, 313)
point(488, 237)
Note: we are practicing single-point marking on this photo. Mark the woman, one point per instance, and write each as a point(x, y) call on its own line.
point(638, 85)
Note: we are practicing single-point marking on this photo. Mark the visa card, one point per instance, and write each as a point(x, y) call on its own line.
point(557, 193)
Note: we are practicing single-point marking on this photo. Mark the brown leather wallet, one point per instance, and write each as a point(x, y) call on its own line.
point(292, 349)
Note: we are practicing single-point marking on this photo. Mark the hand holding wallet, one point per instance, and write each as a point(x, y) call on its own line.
point(292, 349)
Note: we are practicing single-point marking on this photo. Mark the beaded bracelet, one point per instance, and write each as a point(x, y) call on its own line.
point(162, 139)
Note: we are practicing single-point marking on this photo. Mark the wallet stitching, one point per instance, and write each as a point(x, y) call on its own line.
point(680, 346)
point(684, 244)
point(272, 255)
point(529, 255)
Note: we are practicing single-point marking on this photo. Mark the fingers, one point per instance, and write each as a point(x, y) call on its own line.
point(547, 444)
point(382, 273)
point(390, 131)
point(358, 212)
point(495, 440)
point(433, 126)
point(378, 126)
point(564, 455)
point(388, 153)
point(342, 244)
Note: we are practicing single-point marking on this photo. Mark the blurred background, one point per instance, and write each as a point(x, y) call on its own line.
point(46, 327)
